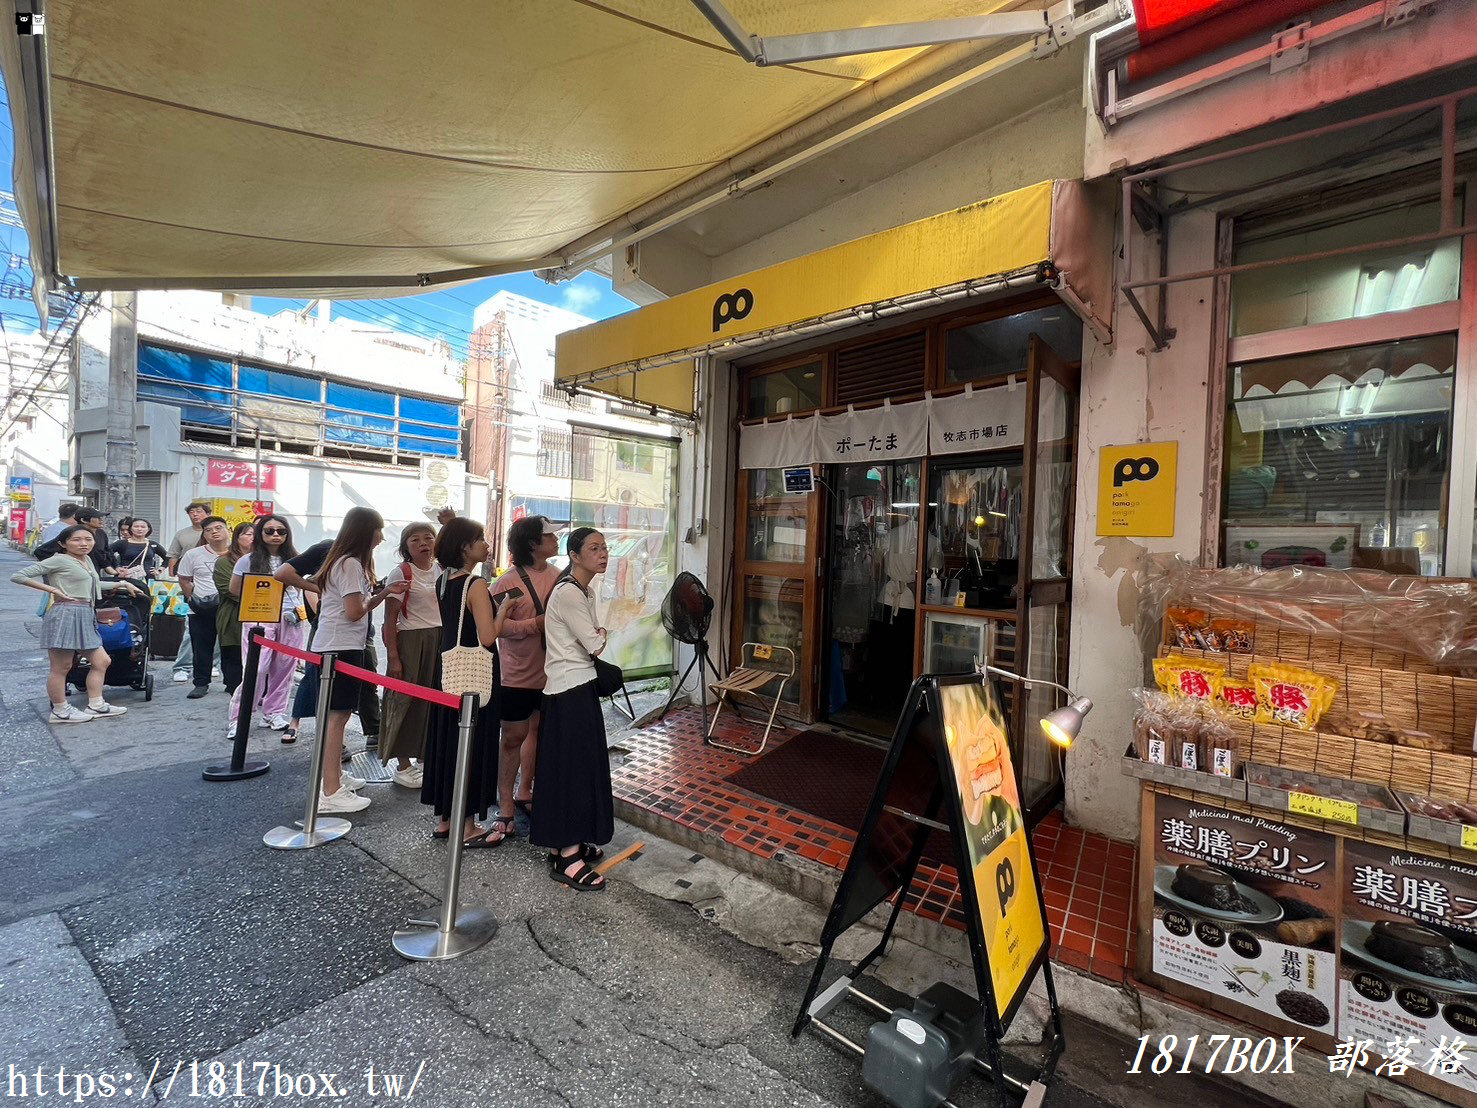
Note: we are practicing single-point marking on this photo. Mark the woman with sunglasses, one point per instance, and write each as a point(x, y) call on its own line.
point(271, 546)
point(228, 613)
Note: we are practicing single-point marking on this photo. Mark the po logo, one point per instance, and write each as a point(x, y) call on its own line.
point(1134, 469)
point(730, 306)
point(1005, 883)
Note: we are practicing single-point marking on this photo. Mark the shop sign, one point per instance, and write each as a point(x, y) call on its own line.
point(18, 523)
point(20, 490)
point(1005, 893)
point(261, 599)
point(1136, 489)
point(1408, 983)
point(978, 419)
point(227, 473)
point(239, 511)
point(889, 433)
point(1244, 910)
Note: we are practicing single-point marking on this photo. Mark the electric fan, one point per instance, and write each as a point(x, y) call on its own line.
point(687, 612)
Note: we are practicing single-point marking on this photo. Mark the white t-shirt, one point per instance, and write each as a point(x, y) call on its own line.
point(420, 608)
point(336, 631)
point(199, 563)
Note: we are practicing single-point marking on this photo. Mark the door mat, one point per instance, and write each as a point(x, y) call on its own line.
point(828, 776)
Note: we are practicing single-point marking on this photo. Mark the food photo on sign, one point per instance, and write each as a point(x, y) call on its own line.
point(1244, 910)
point(1408, 979)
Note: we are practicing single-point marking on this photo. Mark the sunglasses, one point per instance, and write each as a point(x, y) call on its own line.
point(274, 530)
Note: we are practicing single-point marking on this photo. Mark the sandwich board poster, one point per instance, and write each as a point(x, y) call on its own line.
point(1408, 981)
point(1244, 910)
point(1006, 899)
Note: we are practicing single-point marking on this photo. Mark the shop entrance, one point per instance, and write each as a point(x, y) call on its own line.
point(872, 536)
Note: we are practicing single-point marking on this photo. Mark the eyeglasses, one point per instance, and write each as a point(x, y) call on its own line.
point(274, 530)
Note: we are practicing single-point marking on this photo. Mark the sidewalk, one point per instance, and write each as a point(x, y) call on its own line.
point(147, 924)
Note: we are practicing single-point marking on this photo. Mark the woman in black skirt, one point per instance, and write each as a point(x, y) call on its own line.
point(573, 810)
point(466, 608)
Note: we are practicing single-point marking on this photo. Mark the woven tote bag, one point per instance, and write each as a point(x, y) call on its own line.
point(467, 669)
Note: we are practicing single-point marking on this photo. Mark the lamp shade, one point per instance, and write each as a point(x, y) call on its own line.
point(1063, 725)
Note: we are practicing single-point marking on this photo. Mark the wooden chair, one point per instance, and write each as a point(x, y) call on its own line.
point(759, 664)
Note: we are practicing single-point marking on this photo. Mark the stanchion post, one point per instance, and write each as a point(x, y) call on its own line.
point(239, 769)
point(452, 934)
point(315, 831)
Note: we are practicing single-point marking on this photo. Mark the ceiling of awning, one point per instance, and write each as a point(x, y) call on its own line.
point(305, 143)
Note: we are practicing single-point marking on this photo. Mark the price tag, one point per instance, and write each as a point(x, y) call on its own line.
point(1189, 756)
point(763, 653)
point(1156, 752)
point(1469, 836)
point(1323, 807)
point(1222, 762)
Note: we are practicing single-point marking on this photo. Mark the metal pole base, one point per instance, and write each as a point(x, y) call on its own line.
point(422, 940)
point(325, 830)
point(226, 773)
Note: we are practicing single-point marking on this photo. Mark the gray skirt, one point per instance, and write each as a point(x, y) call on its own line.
point(70, 627)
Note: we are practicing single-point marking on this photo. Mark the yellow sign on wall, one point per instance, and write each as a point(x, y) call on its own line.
point(1136, 489)
point(261, 599)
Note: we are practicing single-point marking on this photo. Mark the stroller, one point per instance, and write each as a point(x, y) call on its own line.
point(127, 644)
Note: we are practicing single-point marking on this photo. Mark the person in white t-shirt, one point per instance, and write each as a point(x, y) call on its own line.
point(197, 581)
point(346, 598)
point(412, 635)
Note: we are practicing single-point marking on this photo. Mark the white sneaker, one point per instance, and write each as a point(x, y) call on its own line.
point(231, 731)
point(68, 714)
point(180, 676)
point(105, 710)
point(343, 801)
point(351, 782)
point(278, 723)
point(411, 778)
point(215, 671)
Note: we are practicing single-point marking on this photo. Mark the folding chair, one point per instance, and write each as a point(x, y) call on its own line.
point(759, 664)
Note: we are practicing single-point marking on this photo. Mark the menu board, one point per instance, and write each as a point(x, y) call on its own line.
point(1005, 894)
point(1244, 909)
point(1408, 980)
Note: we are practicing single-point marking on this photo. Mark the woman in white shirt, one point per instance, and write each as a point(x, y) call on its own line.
point(412, 635)
point(271, 546)
point(197, 582)
point(346, 598)
point(573, 811)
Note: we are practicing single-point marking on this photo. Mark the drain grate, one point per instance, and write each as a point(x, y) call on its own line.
point(366, 764)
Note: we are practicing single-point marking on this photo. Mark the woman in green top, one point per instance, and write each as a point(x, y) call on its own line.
point(228, 614)
point(69, 627)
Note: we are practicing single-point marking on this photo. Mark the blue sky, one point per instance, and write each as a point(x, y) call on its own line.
point(444, 314)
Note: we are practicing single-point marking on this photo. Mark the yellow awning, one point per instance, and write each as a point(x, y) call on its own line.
point(343, 146)
point(1047, 230)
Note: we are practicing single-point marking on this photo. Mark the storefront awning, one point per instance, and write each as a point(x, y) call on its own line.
point(1052, 231)
point(338, 148)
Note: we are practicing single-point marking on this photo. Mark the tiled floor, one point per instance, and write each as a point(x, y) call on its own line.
point(1087, 880)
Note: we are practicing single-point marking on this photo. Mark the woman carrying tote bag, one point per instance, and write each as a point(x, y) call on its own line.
point(468, 625)
point(573, 811)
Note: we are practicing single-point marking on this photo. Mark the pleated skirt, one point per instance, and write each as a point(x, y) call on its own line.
point(572, 802)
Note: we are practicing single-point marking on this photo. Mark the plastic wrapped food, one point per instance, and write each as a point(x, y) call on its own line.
point(1189, 628)
point(1234, 636)
point(1184, 727)
point(1192, 678)
point(1291, 696)
point(1220, 748)
point(1236, 699)
point(1452, 810)
point(1150, 726)
point(1358, 725)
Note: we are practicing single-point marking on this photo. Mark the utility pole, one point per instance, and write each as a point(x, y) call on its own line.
point(122, 442)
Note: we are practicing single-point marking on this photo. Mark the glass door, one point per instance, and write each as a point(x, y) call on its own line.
point(871, 611)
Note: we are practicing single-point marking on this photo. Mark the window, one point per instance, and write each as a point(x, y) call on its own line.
point(1000, 346)
point(796, 389)
point(554, 451)
point(635, 457)
point(1340, 457)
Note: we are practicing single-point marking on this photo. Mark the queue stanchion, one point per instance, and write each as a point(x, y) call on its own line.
point(315, 830)
point(452, 934)
point(239, 769)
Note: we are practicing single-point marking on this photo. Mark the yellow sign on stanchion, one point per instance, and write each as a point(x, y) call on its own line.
point(261, 599)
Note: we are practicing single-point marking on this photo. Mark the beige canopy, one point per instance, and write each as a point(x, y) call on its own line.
point(358, 147)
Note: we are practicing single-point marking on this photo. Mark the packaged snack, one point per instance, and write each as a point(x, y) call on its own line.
point(1358, 725)
point(1291, 696)
point(1221, 748)
point(1193, 678)
point(1150, 726)
point(1184, 726)
point(1419, 740)
point(1188, 628)
point(1236, 698)
point(1234, 636)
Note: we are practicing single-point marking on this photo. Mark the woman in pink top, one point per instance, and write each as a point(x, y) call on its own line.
point(532, 541)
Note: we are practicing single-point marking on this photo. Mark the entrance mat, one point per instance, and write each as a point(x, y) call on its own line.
point(828, 776)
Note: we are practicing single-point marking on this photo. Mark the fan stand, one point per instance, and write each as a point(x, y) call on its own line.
point(699, 656)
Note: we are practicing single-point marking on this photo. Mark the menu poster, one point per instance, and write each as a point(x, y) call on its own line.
point(1010, 916)
point(1244, 909)
point(1408, 981)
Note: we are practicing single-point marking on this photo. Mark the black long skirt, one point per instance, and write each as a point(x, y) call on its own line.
point(571, 785)
point(440, 761)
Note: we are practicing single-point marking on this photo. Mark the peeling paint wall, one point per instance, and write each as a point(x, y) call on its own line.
point(1130, 394)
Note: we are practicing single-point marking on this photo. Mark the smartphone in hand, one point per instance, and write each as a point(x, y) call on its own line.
point(511, 594)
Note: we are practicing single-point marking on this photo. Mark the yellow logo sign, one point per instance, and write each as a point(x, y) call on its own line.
point(1136, 489)
point(261, 599)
